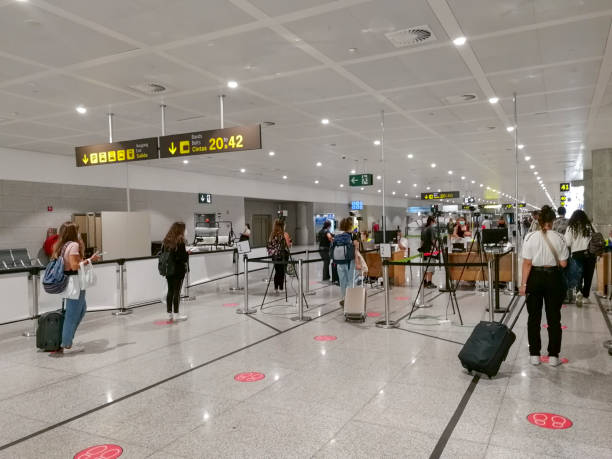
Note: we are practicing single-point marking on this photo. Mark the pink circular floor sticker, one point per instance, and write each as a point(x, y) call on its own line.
point(545, 359)
point(325, 338)
point(249, 376)
point(550, 421)
point(230, 305)
point(402, 298)
point(373, 314)
point(163, 322)
point(108, 451)
point(563, 327)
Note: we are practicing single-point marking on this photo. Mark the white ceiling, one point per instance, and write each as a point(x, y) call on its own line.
point(294, 65)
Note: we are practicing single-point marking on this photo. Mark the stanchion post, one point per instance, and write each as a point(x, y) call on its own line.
point(301, 317)
point(307, 291)
point(245, 309)
point(609, 310)
point(187, 296)
point(34, 282)
point(421, 303)
point(387, 323)
point(236, 287)
point(491, 300)
point(122, 309)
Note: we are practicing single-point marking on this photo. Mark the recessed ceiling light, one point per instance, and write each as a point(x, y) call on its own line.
point(379, 191)
point(185, 161)
point(473, 181)
point(535, 172)
point(319, 163)
point(377, 142)
point(353, 171)
point(271, 153)
point(439, 190)
point(232, 84)
point(80, 109)
point(527, 158)
point(342, 185)
point(428, 188)
point(481, 185)
point(493, 100)
point(352, 50)
point(324, 121)
point(488, 188)
point(378, 177)
point(433, 164)
point(532, 166)
point(450, 172)
point(463, 177)
point(406, 195)
point(459, 41)
point(414, 185)
point(316, 182)
point(243, 170)
point(409, 156)
point(520, 146)
point(284, 177)
point(399, 181)
point(510, 128)
point(362, 188)
point(393, 193)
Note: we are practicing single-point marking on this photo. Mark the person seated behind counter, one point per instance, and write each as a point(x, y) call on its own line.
point(461, 229)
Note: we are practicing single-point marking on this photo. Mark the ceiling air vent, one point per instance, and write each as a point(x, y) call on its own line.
point(460, 99)
point(149, 88)
point(411, 36)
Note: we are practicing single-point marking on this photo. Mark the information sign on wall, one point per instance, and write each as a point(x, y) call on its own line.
point(238, 138)
point(356, 205)
point(205, 198)
point(565, 186)
point(117, 152)
point(361, 180)
point(440, 195)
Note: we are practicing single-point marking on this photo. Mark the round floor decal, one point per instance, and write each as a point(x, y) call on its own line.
point(230, 305)
point(325, 338)
point(373, 314)
point(162, 322)
point(402, 298)
point(249, 376)
point(563, 327)
point(100, 452)
point(550, 421)
point(545, 359)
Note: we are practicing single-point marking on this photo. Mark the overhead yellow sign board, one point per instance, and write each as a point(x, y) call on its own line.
point(117, 152)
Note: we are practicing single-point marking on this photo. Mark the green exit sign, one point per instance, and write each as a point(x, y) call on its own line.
point(361, 180)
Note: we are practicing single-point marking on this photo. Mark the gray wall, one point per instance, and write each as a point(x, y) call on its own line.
point(270, 207)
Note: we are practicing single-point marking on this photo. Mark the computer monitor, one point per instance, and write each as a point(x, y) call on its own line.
point(378, 236)
point(495, 236)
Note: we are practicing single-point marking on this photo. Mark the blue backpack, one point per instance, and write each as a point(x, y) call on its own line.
point(55, 280)
point(342, 250)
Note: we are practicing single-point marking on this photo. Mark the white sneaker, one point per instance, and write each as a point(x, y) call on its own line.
point(180, 317)
point(554, 361)
point(534, 359)
point(170, 316)
point(585, 300)
point(73, 350)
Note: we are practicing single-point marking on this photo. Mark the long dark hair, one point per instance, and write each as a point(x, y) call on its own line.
point(175, 236)
point(580, 224)
point(546, 215)
point(68, 232)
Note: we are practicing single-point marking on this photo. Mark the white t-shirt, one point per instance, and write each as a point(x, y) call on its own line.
point(536, 249)
point(577, 242)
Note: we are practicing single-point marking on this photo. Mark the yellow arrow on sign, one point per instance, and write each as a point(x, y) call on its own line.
point(172, 148)
point(85, 160)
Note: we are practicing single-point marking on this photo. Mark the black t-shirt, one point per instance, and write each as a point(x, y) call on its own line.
point(323, 239)
point(428, 236)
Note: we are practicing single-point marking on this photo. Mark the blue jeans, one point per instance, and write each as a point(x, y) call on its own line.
point(75, 311)
point(346, 273)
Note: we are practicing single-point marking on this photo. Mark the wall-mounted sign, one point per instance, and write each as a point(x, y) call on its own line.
point(238, 138)
point(361, 180)
point(440, 195)
point(418, 210)
point(565, 186)
point(508, 206)
point(356, 205)
point(205, 198)
point(117, 152)
point(469, 200)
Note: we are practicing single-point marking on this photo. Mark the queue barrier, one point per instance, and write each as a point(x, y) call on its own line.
point(122, 284)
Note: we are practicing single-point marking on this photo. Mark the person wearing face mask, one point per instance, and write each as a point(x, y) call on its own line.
point(461, 229)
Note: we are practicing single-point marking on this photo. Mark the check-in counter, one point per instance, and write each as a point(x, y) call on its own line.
point(475, 273)
point(604, 273)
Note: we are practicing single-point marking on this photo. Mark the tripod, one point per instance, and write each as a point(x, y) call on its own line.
point(476, 238)
point(290, 261)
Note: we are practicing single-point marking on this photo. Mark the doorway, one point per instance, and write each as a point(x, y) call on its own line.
point(262, 226)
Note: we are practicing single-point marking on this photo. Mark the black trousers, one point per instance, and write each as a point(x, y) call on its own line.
point(173, 298)
point(544, 287)
point(279, 273)
point(324, 252)
point(588, 262)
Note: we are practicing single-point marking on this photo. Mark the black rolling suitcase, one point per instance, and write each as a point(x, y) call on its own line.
point(49, 331)
point(488, 346)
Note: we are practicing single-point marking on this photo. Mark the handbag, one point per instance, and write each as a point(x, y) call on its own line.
point(564, 281)
point(87, 276)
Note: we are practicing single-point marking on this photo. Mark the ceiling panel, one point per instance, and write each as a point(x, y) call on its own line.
point(349, 107)
point(11, 139)
point(436, 95)
point(36, 130)
point(278, 114)
point(15, 107)
point(158, 21)
point(279, 7)
point(48, 146)
point(246, 56)
point(35, 34)
point(423, 67)
point(363, 27)
point(371, 124)
point(13, 68)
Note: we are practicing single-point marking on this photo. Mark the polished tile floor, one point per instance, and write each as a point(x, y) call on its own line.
point(168, 390)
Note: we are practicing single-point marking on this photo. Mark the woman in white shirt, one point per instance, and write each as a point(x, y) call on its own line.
point(577, 237)
point(544, 253)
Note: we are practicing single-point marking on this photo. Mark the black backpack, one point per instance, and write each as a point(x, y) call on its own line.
point(165, 263)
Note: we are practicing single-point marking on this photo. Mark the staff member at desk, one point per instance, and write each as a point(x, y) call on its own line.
point(461, 229)
point(544, 253)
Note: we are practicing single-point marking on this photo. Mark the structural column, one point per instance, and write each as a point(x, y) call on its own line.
point(601, 197)
point(301, 230)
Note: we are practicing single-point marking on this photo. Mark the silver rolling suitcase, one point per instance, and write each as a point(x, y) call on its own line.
point(355, 301)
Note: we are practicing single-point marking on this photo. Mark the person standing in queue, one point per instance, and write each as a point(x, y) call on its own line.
point(344, 251)
point(71, 247)
point(325, 239)
point(544, 254)
point(279, 244)
point(174, 243)
point(577, 237)
point(246, 234)
point(428, 244)
point(560, 224)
